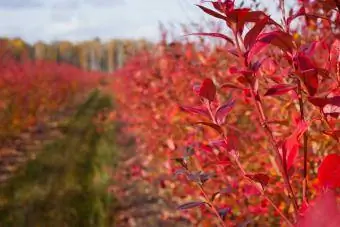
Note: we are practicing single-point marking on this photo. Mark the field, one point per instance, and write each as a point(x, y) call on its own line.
point(244, 131)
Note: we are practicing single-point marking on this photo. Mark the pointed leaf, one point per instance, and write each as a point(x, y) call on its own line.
point(280, 39)
point(223, 111)
point(307, 72)
point(224, 6)
point(215, 35)
point(279, 89)
point(208, 90)
point(328, 105)
point(329, 171)
point(318, 101)
point(290, 147)
point(261, 178)
point(190, 205)
point(212, 12)
point(241, 16)
point(216, 127)
point(252, 34)
point(195, 110)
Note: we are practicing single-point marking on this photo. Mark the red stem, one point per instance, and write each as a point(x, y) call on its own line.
point(244, 173)
point(269, 133)
point(305, 147)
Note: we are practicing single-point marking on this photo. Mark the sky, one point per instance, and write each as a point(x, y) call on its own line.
point(76, 20)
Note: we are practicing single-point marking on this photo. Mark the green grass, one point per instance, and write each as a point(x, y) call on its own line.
point(66, 185)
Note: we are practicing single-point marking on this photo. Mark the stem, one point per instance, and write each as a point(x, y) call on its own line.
point(244, 173)
point(276, 153)
point(260, 189)
point(283, 12)
point(305, 147)
point(269, 133)
point(213, 208)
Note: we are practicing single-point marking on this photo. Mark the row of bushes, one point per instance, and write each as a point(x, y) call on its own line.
point(214, 124)
point(66, 185)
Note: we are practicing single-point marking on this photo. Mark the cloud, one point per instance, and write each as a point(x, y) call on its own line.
point(50, 20)
point(17, 4)
point(75, 4)
point(86, 19)
point(105, 3)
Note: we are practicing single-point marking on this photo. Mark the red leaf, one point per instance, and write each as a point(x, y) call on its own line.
point(307, 72)
point(212, 12)
point(240, 17)
point(223, 7)
point(244, 15)
point(280, 39)
point(190, 205)
point(318, 52)
point(261, 178)
point(195, 110)
point(323, 212)
point(279, 89)
point(223, 111)
point(216, 35)
point(318, 101)
point(216, 127)
point(328, 105)
point(245, 72)
point(208, 90)
point(252, 34)
point(290, 147)
point(329, 171)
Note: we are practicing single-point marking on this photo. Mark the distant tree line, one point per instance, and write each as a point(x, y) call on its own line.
point(88, 55)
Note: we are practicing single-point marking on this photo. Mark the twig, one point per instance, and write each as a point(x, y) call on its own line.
point(211, 205)
point(305, 147)
point(244, 173)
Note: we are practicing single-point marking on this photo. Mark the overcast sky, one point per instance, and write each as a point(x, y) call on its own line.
point(75, 20)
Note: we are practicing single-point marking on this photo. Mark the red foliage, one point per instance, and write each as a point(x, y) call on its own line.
point(30, 90)
point(262, 115)
point(329, 171)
